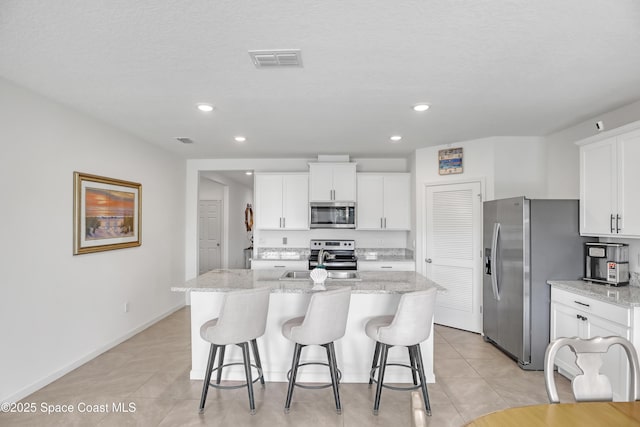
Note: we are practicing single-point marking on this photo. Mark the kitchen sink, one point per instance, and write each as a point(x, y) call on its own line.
point(343, 275)
point(296, 275)
point(331, 275)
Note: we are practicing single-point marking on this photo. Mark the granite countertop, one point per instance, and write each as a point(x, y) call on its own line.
point(363, 254)
point(387, 258)
point(373, 282)
point(625, 296)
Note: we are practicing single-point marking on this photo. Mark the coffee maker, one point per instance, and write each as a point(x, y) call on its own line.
point(607, 263)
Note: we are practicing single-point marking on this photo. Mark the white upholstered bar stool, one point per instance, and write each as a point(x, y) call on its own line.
point(409, 326)
point(324, 323)
point(242, 319)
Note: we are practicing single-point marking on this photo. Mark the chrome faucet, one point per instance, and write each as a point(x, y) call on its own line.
point(321, 255)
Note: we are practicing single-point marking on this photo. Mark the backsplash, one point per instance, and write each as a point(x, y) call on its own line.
point(363, 254)
point(372, 254)
point(634, 279)
point(283, 253)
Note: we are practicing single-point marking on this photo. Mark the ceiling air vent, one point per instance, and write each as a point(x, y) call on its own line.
point(276, 58)
point(184, 140)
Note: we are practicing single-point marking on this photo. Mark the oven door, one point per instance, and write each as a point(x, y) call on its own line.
point(332, 215)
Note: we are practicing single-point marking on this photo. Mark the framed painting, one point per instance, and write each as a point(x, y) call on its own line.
point(450, 161)
point(106, 213)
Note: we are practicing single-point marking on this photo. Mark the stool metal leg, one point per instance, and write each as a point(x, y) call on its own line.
point(207, 376)
point(383, 365)
point(292, 377)
point(423, 382)
point(256, 356)
point(220, 363)
point(333, 369)
point(247, 369)
point(376, 355)
point(412, 362)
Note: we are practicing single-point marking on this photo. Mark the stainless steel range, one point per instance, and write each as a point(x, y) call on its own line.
point(336, 254)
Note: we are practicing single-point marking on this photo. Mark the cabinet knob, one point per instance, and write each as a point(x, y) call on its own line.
point(428, 260)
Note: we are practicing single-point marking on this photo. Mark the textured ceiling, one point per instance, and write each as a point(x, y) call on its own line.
point(487, 68)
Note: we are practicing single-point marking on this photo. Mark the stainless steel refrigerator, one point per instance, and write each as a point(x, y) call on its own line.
point(525, 243)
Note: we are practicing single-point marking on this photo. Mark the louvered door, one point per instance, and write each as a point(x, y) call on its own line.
point(454, 240)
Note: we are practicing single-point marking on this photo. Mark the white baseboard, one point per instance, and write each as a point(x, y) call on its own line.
point(32, 388)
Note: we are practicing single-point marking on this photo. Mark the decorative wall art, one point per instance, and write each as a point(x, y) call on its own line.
point(106, 213)
point(450, 161)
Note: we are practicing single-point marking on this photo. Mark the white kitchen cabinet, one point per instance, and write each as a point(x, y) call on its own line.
point(284, 265)
point(386, 266)
point(609, 205)
point(384, 201)
point(330, 182)
point(574, 315)
point(282, 201)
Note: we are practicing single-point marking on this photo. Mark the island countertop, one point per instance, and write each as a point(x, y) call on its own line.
point(381, 282)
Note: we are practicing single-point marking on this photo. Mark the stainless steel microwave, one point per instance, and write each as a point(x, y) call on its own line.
point(332, 215)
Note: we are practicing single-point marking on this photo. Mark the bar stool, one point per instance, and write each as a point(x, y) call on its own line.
point(242, 319)
point(324, 323)
point(410, 326)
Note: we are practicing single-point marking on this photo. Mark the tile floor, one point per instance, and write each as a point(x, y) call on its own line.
point(151, 371)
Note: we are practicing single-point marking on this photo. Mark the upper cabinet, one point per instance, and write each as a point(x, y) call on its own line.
point(609, 205)
point(330, 182)
point(282, 201)
point(384, 201)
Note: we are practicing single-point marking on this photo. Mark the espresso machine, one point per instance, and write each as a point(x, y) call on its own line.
point(607, 263)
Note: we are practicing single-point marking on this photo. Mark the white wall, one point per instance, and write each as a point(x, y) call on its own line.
point(58, 310)
point(506, 167)
point(300, 238)
point(196, 166)
point(235, 196)
point(563, 169)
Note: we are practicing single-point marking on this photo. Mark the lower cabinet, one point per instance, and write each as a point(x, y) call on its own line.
point(574, 315)
point(386, 266)
point(283, 265)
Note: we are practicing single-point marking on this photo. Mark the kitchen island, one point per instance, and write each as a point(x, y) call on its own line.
point(377, 293)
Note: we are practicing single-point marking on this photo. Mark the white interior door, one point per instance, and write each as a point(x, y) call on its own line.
point(453, 252)
point(210, 226)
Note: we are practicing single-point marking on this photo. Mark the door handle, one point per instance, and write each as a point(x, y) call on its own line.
point(428, 260)
point(618, 219)
point(494, 252)
point(611, 223)
point(284, 222)
point(381, 226)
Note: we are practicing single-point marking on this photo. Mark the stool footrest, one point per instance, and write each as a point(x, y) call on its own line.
point(391, 387)
point(230, 387)
point(313, 387)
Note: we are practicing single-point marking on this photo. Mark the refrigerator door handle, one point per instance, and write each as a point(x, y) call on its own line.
point(494, 252)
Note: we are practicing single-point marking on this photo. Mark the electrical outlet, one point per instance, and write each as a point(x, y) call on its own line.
point(284, 240)
point(126, 307)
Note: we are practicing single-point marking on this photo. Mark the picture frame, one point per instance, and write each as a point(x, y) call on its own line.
point(450, 161)
point(107, 213)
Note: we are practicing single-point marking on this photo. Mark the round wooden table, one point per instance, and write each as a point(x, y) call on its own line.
point(564, 414)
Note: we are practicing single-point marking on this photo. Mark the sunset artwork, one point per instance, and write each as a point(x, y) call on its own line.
point(108, 213)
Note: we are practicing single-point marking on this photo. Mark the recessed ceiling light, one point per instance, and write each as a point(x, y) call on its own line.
point(395, 138)
point(421, 107)
point(207, 108)
point(240, 139)
point(248, 173)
